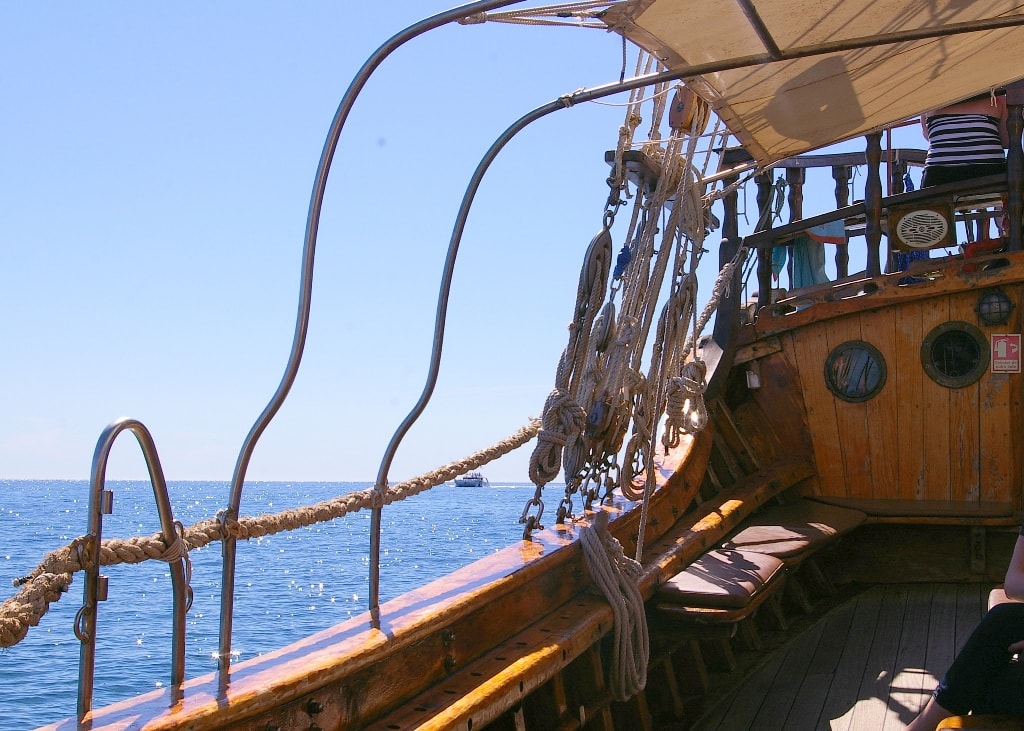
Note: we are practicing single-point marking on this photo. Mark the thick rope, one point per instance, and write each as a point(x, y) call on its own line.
point(616, 576)
point(54, 574)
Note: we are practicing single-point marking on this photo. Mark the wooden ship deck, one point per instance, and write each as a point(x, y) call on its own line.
point(869, 663)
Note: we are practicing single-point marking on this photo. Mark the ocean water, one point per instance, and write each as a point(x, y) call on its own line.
point(287, 586)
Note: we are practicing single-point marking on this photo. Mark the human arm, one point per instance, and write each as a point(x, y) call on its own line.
point(1014, 583)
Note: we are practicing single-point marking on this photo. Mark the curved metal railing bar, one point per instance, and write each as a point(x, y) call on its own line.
point(230, 514)
point(101, 503)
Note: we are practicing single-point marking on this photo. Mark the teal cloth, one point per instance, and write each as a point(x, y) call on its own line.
point(808, 262)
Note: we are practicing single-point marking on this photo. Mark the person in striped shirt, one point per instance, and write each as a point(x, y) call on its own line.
point(965, 140)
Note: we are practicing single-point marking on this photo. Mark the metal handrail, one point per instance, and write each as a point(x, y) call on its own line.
point(305, 296)
point(100, 504)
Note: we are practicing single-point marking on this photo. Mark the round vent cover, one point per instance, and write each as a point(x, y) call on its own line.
point(922, 229)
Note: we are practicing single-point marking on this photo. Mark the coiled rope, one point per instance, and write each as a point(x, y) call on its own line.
point(616, 576)
point(54, 574)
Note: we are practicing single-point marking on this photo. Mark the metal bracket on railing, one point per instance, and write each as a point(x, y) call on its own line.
point(101, 502)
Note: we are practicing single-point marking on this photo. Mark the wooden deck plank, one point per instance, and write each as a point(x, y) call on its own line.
point(791, 707)
point(910, 687)
point(743, 708)
point(838, 709)
point(870, 663)
point(806, 708)
point(941, 645)
point(872, 706)
point(971, 603)
point(830, 648)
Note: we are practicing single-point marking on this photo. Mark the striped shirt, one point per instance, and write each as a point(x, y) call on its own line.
point(963, 139)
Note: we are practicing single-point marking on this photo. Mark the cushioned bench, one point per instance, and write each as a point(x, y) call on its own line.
point(795, 530)
point(723, 587)
point(792, 532)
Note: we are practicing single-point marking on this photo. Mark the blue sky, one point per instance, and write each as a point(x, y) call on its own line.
point(157, 162)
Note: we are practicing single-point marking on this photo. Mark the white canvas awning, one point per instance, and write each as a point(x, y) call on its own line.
point(789, 76)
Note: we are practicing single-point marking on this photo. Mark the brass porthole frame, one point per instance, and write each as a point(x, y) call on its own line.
point(934, 338)
point(837, 388)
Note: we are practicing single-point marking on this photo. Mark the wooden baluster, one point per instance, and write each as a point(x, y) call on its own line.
point(841, 174)
point(873, 204)
point(730, 208)
point(897, 170)
point(795, 178)
point(764, 256)
point(724, 331)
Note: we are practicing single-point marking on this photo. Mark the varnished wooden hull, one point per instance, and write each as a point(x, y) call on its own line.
point(520, 639)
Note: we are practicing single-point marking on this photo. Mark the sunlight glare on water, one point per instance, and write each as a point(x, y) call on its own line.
point(288, 585)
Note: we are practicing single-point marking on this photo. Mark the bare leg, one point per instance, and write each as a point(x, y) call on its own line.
point(929, 717)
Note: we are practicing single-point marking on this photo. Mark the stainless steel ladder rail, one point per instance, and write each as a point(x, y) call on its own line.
point(101, 503)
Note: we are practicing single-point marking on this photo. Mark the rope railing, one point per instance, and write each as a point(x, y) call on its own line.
point(54, 574)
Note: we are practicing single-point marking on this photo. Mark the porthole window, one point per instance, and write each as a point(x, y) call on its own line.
point(855, 371)
point(955, 354)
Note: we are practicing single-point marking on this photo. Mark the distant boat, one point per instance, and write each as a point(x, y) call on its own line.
point(471, 479)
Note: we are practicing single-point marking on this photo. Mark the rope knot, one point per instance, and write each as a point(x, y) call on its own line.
point(227, 524)
point(562, 422)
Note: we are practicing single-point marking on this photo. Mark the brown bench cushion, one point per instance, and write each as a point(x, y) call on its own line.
point(721, 579)
point(788, 531)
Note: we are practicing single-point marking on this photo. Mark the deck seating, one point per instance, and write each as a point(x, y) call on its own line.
point(793, 532)
point(722, 591)
point(724, 587)
point(928, 512)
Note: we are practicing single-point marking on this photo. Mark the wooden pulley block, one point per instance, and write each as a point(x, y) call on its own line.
point(686, 108)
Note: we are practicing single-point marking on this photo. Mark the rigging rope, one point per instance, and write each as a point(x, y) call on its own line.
point(616, 576)
point(54, 574)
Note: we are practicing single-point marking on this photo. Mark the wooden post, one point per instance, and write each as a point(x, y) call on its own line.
point(841, 174)
point(1015, 162)
point(764, 256)
point(730, 208)
point(873, 204)
point(795, 177)
point(897, 170)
